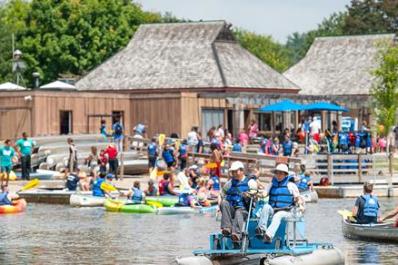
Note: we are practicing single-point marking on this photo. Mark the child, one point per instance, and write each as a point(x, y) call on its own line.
point(135, 194)
point(203, 192)
point(103, 160)
point(5, 197)
point(236, 146)
point(183, 154)
point(214, 185)
point(166, 185)
point(152, 154)
point(151, 190)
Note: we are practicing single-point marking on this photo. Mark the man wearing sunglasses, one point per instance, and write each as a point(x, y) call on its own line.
point(234, 202)
point(283, 197)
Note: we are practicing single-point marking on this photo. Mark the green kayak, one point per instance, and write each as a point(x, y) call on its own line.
point(166, 201)
point(120, 206)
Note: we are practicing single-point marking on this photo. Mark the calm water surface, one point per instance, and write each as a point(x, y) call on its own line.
point(48, 234)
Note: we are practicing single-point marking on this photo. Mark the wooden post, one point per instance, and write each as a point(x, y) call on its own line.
point(390, 169)
point(359, 168)
point(330, 168)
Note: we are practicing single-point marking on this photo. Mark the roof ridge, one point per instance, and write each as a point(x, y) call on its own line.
point(370, 36)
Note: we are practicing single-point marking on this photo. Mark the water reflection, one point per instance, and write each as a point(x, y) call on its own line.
point(48, 234)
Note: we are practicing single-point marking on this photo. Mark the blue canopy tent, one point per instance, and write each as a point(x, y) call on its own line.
point(281, 106)
point(324, 106)
point(285, 105)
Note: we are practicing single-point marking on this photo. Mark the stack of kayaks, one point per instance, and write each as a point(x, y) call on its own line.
point(17, 207)
point(122, 206)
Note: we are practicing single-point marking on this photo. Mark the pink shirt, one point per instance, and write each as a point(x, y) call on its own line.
point(253, 130)
point(243, 138)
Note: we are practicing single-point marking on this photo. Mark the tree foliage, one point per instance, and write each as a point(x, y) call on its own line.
point(71, 36)
point(385, 89)
point(265, 48)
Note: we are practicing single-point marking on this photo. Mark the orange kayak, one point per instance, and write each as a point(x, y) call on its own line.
point(16, 207)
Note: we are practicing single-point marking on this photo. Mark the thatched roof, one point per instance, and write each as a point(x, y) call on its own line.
point(338, 65)
point(183, 56)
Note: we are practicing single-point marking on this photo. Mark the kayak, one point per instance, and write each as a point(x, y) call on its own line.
point(309, 196)
point(85, 200)
point(121, 206)
point(166, 201)
point(186, 210)
point(16, 207)
point(385, 232)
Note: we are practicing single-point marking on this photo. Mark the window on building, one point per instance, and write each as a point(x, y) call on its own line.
point(210, 118)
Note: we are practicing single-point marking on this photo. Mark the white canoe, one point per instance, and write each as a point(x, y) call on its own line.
point(309, 196)
point(85, 200)
point(331, 256)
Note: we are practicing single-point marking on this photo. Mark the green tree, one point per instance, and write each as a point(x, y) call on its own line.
point(265, 48)
point(385, 88)
point(298, 44)
point(72, 36)
point(371, 16)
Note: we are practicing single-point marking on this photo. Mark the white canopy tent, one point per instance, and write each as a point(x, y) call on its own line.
point(58, 85)
point(11, 86)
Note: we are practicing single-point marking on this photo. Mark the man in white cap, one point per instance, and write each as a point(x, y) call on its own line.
point(234, 202)
point(283, 196)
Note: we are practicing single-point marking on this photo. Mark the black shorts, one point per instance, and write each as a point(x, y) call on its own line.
point(152, 162)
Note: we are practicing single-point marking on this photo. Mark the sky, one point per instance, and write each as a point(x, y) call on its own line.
point(278, 18)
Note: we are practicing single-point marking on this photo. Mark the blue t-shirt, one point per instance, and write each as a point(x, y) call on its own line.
point(6, 155)
point(25, 146)
point(72, 181)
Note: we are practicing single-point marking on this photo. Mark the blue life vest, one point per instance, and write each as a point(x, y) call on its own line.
point(287, 148)
point(343, 139)
point(72, 181)
point(358, 137)
point(371, 207)
point(263, 146)
point(152, 150)
point(4, 199)
point(216, 183)
point(236, 147)
point(183, 199)
point(303, 184)
point(368, 140)
point(279, 195)
point(168, 156)
point(140, 128)
point(183, 151)
point(97, 191)
point(235, 192)
point(137, 196)
point(103, 130)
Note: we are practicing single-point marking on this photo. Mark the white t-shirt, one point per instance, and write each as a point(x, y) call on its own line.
point(290, 186)
point(314, 127)
point(192, 138)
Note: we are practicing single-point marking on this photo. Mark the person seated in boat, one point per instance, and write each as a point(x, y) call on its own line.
point(187, 199)
point(166, 185)
point(193, 175)
point(135, 194)
point(151, 190)
point(283, 197)
point(391, 215)
point(234, 201)
point(203, 193)
point(73, 180)
point(304, 181)
point(213, 185)
point(5, 197)
point(96, 187)
point(367, 207)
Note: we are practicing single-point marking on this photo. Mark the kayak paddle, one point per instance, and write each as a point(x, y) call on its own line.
point(108, 187)
point(31, 184)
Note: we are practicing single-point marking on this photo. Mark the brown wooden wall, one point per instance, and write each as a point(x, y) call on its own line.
point(15, 115)
point(48, 106)
point(160, 112)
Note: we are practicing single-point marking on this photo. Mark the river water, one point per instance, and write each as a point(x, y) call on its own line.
point(48, 234)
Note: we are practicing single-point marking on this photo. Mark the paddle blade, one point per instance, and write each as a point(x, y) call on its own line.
point(154, 173)
point(211, 165)
point(107, 187)
point(161, 139)
point(155, 204)
point(345, 213)
point(31, 184)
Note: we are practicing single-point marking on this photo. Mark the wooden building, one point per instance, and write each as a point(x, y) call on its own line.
point(170, 77)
